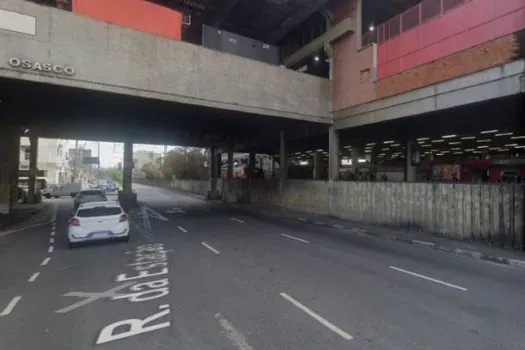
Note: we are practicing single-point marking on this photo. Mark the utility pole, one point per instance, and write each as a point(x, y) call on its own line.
point(75, 163)
point(98, 154)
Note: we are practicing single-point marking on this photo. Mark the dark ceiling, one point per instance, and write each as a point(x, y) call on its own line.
point(272, 20)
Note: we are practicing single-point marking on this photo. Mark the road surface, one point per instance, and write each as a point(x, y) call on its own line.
point(204, 276)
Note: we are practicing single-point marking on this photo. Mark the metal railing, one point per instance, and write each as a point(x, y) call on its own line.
point(411, 18)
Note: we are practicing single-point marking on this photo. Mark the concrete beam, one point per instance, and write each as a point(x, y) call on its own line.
point(493, 83)
point(345, 27)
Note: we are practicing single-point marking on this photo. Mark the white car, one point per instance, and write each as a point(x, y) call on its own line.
point(95, 221)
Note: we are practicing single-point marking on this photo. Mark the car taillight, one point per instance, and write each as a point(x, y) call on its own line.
point(74, 222)
point(123, 217)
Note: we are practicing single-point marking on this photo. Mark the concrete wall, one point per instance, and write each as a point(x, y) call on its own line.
point(111, 58)
point(496, 82)
point(485, 212)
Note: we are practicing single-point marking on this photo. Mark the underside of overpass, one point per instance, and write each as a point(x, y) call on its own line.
point(55, 111)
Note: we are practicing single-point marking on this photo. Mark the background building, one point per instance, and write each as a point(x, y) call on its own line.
point(52, 160)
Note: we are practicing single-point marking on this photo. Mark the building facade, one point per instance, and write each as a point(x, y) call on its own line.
point(52, 160)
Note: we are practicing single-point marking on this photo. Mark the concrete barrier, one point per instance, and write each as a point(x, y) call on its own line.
point(491, 213)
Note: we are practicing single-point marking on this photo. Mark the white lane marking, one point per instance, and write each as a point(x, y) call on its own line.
point(210, 248)
point(52, 233)
point(9, 308)
point(50, 249)
point(318, 318)
point(23, 228)
point(182, 229)
point(33, 277)
point(238, 220)
point(91, 297)
point(236, 337)
point(46, 261)
point(429, 278)
point(154, 214)
point(51, 240)
point(295, 238)
point(301, 219)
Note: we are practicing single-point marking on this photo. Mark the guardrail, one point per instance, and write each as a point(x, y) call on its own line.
point(411, 18)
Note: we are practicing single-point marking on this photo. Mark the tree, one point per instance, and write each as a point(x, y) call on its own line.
point(152, 171)
point(115, 175)
point(185, 164)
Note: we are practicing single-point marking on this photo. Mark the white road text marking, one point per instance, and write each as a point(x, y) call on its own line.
point(236, 337)
point(318, 318)
point(182, 229)
point(33, 277)
point(51, 240)
point(46, 261)
point(51, 248)
point(9, 308)
point(294, 238)
point(429, 278)
point(52, 233)
point(238, 220)
point(210, 248)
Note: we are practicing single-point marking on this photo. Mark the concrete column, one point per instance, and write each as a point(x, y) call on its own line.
point(317, 165)
point(410, 167)
point(127, 168)
point(283, 157)
point(213, 193)
point(14, 165)
point(334, 158)
point(272, 159)
point(33, 168)
point(359, 24)
point(251, 161)
point(356, 154)
point(229, 172)
point(9, 162)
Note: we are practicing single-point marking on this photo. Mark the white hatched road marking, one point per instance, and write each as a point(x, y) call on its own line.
point(182, 229)
point(238, 220)
point(33, 277)
point(236, 337)
point(294, 238)
point(9, 308)
point(210, 247)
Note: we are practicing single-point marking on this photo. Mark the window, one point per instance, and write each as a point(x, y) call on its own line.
point(27, 153)
point(99, 211)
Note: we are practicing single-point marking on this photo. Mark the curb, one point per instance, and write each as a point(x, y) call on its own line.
point(444, 248)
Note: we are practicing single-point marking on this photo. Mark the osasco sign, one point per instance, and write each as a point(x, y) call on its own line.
point(41, 67)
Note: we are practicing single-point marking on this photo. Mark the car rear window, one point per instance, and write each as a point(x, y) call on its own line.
point(91, 193)
point(98, 211)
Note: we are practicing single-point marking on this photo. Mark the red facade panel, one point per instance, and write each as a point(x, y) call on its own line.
point(464, 27)
point(135, 14)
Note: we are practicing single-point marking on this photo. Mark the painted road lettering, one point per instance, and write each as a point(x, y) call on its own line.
point(149, 260)
point(133, 326)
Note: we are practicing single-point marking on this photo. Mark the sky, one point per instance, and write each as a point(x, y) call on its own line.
point(112, 153)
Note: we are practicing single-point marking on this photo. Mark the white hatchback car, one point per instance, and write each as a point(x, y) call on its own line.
point(95, 221)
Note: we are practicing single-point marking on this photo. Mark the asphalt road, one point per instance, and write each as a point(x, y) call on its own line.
point(199, 275)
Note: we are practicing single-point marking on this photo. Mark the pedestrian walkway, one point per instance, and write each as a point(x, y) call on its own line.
point(421, 239)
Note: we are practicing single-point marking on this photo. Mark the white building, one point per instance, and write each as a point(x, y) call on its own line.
point(52, 159)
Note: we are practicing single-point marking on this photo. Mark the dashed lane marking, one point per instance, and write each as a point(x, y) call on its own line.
point(210, 247)
point(294, 238)
point(46, 261)
point(238, 220)
point(318, 318)
point(33, 277)
point(429, 278)
point(236, 337)
point(182, 229)
point(9, 308)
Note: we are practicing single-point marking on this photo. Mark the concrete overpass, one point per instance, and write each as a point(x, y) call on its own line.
point(110, 58)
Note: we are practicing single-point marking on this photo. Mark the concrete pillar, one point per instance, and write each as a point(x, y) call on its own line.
point(229, 171)
point(251, 161)
point(127, 168)
point(14, 165)
point(214, 173)
point(283, 157)
point(9, 163)
point(410, 166)
point(272, 159)
point(317, 165)
point(356, 154)
point(33, 168)
point(334, 158)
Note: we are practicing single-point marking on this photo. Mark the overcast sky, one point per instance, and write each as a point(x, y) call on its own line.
point(112, 153)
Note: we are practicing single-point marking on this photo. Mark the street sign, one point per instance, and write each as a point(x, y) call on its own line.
point(90, 160)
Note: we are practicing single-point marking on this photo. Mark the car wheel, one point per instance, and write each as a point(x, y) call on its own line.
point(47, 196)
point(57, 197)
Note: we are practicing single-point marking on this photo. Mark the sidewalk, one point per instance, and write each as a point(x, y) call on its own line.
point(469, 249)
point(25, 215)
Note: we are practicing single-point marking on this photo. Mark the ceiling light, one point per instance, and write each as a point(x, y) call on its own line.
point(371, 27)
point(494, 148)
point(316, 58)
point(448, 136)
point(371, 144)
point(503, 149)
point(385, 149)
point(423, 139)
point(455, 149)
point(511, 145)
point(483, 146)
point(454, 143)
point(485, 140)
point(458, 152)
point(520, 146)
point(505, 134)
point(469, 150)
point(368, 150)
point(468, 137)
point(320, 150)
point(517, 137)
point(437, 141)
point(348, 146)
point(387, 142)
point(425, 145)
point(489, 131)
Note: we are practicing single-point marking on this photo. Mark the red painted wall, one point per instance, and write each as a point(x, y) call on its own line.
point(469, 25)
point(135, 14)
